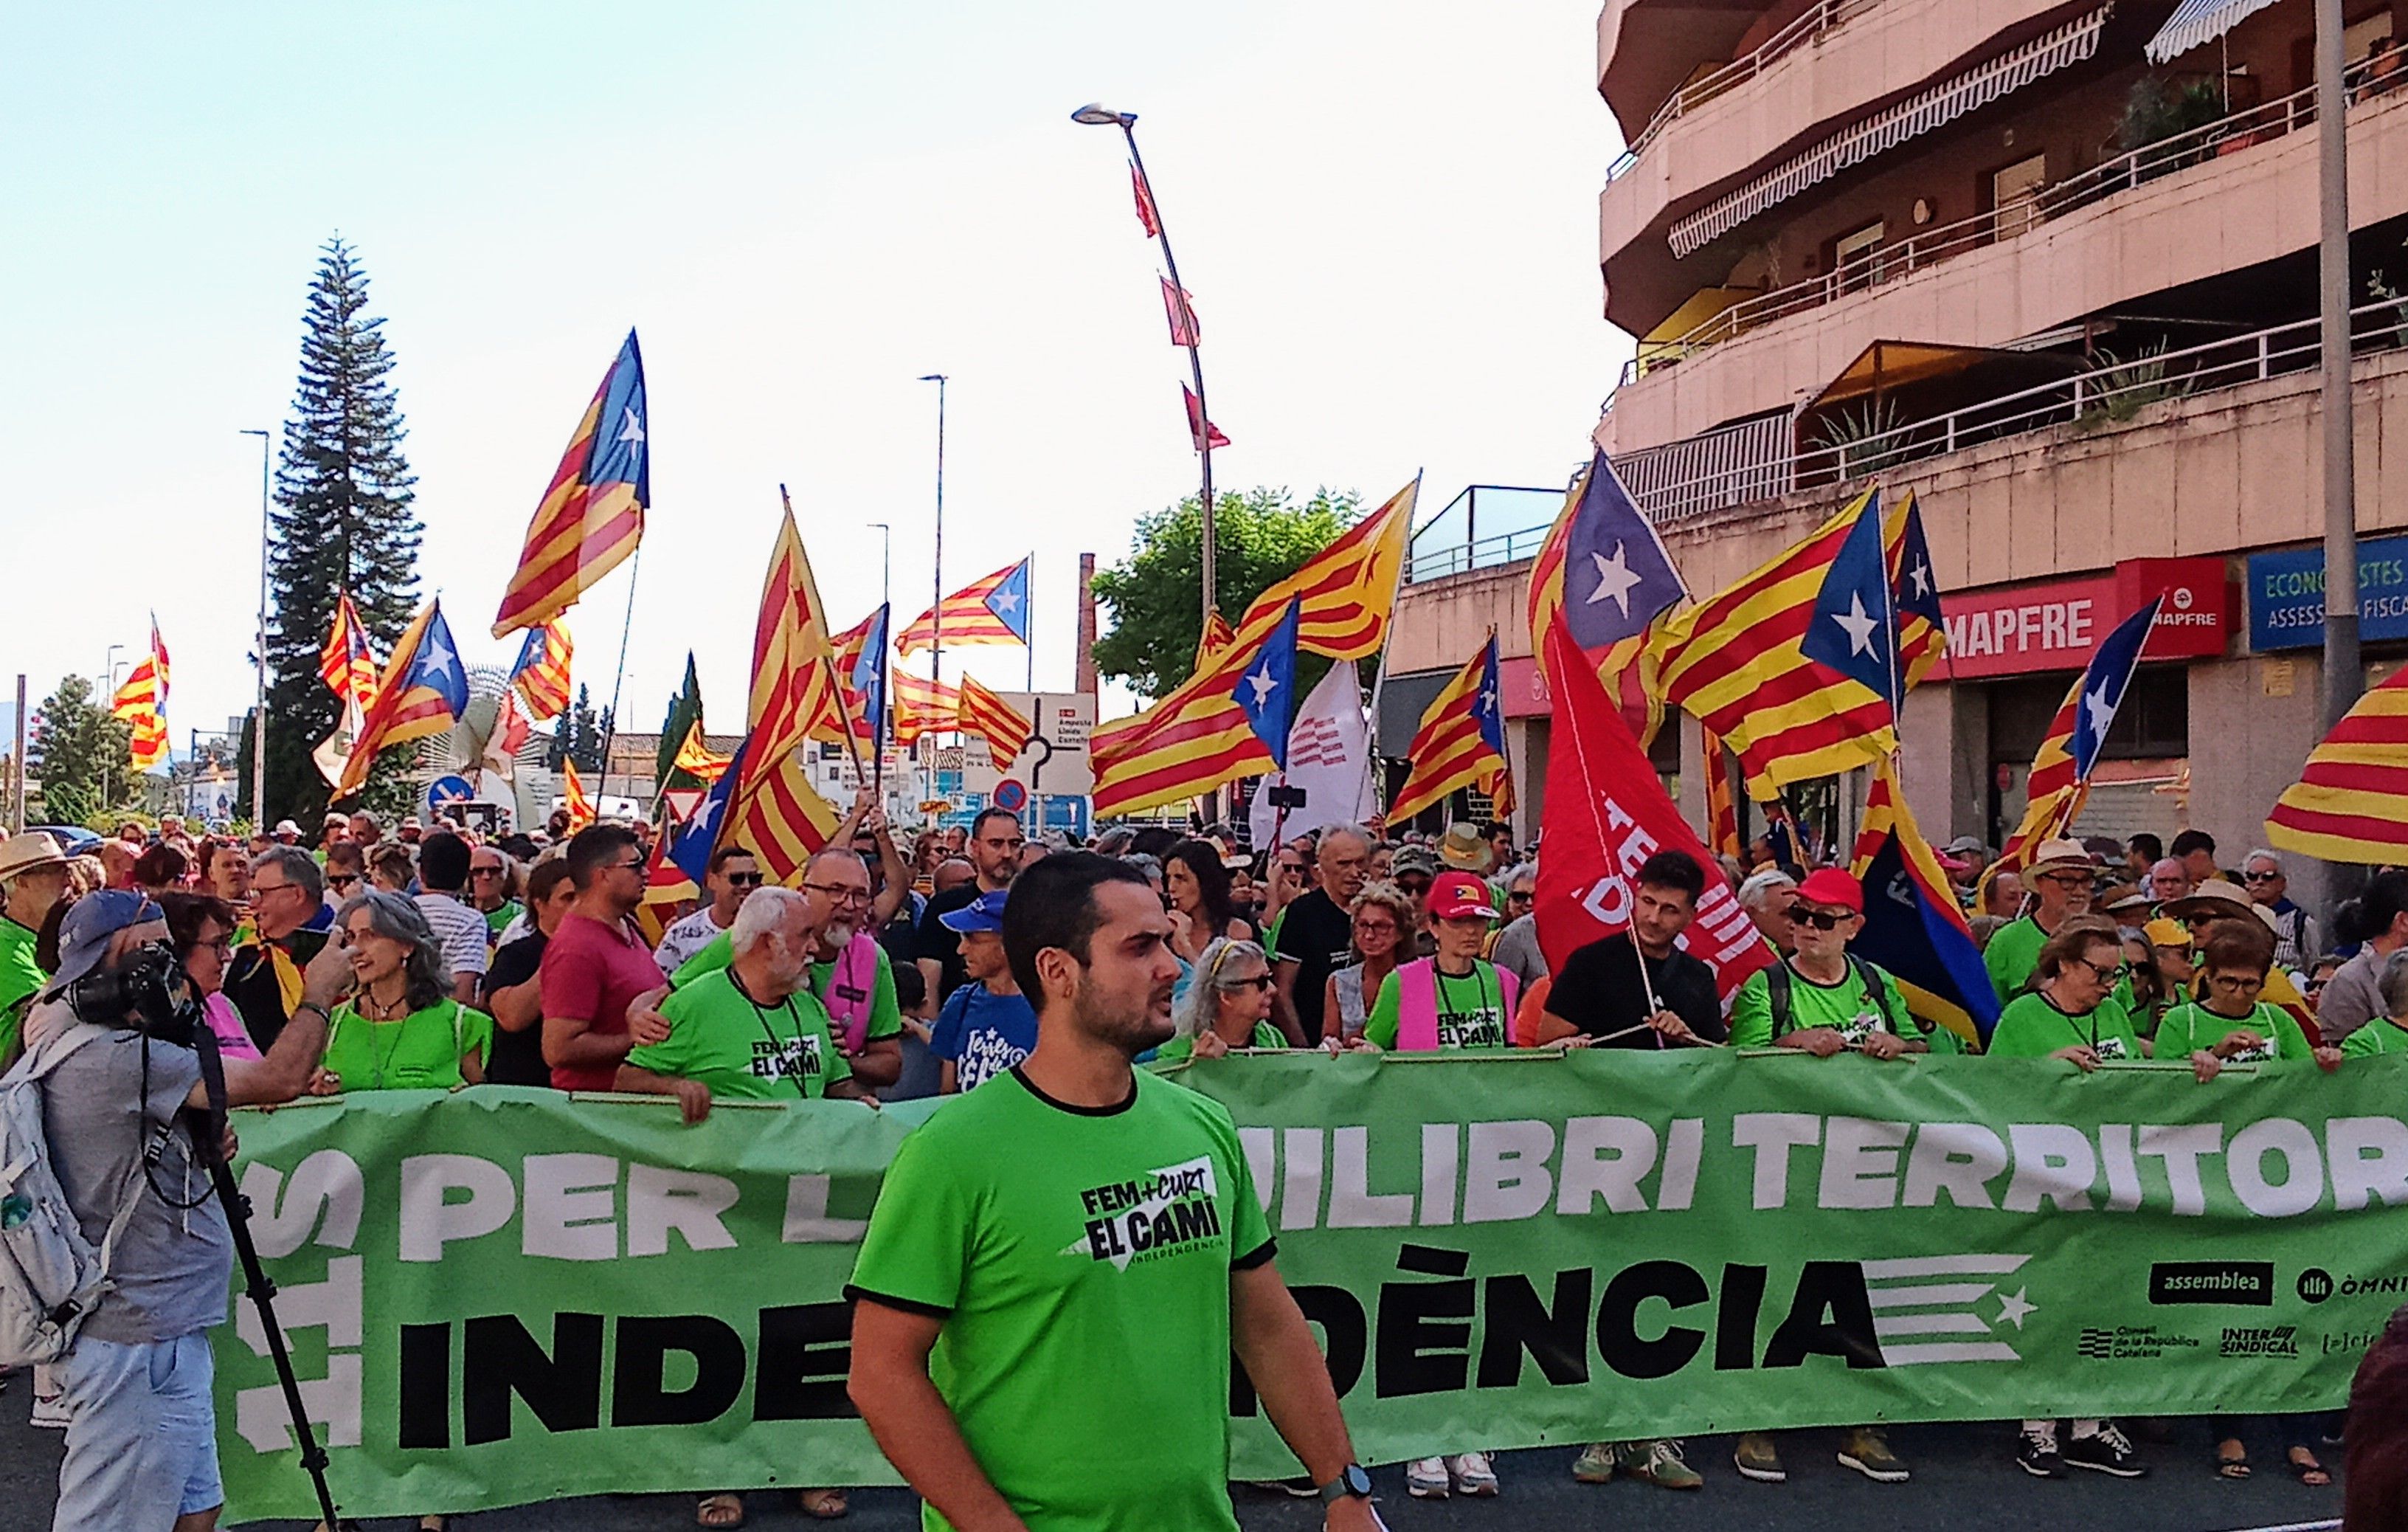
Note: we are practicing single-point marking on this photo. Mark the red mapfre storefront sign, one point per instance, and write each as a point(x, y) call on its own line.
point(2053, 625)
point(1525, 689)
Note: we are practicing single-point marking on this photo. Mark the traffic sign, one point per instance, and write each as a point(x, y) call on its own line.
point(1011, 795)
point(683, 801)
point(449, 789)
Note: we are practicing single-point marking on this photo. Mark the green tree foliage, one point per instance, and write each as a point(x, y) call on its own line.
point(578, 734)
point(343, 522)
point(1156, 594)
point(83, 757)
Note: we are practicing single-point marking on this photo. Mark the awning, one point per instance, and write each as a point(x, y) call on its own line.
point(2197, 21)
point(1885, 365)
point(1972, 374)
point(1917, 114)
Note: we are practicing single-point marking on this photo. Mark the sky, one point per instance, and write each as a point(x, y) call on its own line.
point(1385, 212)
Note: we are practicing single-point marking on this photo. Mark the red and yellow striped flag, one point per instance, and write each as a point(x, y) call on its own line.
point(2351, 800)
point(1197, 738)
point(1460, 743)
point(1217, 636)
point(697, 758)
point(773, 808)
point(1721, 814)
point(593, 514)
point(347, 664)
point(541, 673)
point(141, 701)
point(423, 692)
point(573, 798)
point(993, 719)
point(992, 609)
point(923, 706)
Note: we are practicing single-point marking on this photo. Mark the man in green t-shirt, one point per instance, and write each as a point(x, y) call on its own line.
point(2060, 878)
point(1061, 1263)
point(33, 871)
point(752, 1030)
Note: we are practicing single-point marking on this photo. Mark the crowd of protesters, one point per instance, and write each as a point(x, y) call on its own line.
point(880, 975)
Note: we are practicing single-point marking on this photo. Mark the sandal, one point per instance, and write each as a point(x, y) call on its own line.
point(2233, 1466)
point(720, 1512)
point(2307, 1471)
point(823, 1504)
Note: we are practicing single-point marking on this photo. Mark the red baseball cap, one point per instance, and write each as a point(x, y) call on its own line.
point(1459, 896)
point(1829, 886)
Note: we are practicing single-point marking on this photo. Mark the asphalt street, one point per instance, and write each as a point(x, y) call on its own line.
point(1964, 1481)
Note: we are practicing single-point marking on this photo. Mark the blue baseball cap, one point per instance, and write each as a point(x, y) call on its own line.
point(984, 913)
point(89, 925)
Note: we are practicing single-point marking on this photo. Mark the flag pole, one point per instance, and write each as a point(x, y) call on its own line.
point(1379, 673)
point(1028, 616)
point(626, 629)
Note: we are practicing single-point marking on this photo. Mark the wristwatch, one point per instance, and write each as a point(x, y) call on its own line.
point(1351, 1483)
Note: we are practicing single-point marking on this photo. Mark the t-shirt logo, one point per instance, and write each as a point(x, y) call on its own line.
point(985, 1054)
point(2111, 1047)
point(795, 1059)
point(1470, 1029)
point(2262, 1053)
point(1858, 1026)
point(1160, 1214)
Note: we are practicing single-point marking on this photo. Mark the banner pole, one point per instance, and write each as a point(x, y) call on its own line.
point(626, 627)
point(1379, 673)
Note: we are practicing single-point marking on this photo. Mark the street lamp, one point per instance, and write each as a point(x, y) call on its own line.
point(937, 605)
point(259, 699)
point(1095, 115)
point(107, 696)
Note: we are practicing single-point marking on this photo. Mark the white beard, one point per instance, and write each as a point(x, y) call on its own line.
point(837, 937)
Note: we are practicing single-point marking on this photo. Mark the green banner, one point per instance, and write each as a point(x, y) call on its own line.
point(502, 1295)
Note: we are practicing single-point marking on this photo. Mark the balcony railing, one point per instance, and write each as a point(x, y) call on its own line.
point(2109, 395)
point(2229, 134)
point(1823, 17)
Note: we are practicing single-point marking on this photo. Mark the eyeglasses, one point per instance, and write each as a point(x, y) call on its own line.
point(634, 866)
point(2259, 877)
point(1260, 982)
point(2067, 880)
point(338, 881)
point(2106, 974)
point(486, 871)
point(1819, 919)
point(745, 880)
point(838, 892)
point(1520, 897)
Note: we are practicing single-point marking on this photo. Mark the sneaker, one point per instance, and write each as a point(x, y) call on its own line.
point(1755, 1458)
point(1867, 1451)
point(2036, 1454)
point(1301, 1487)
point(1472, 1475)
point(1596, 1464)
point(1425, 1479)
point(1660, 1463)
point(2105, 1451)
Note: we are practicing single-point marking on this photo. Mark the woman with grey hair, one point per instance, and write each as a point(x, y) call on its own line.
point(2387, 1032)
point(400, 1029)
point(1228, 1004)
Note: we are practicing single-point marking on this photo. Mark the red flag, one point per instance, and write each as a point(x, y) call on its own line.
point(1605, 814)
point(1181, 309)
point(1202, 431)
point(1145, 213)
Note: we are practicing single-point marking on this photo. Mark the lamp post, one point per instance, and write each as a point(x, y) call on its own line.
point(259, 696)
point(1094, 115)
point(2344, 674)
point(937, 604)
point(107, 696)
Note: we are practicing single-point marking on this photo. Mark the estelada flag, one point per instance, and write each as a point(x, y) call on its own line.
point(593, 514)
point(991, 609)
point(2351, 800)
point(1217, 635)
point(1914, 927)
point(1459, 743)
point(423, 692)
point(1606, 813)
point(541, 673)
point(347, 664)
point(1603, 566)
point(1722, 812)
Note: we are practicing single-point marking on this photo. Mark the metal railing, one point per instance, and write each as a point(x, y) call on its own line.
point(1463, 558)
point(2368, 77)
point(1821, 17)
point(2111, 394)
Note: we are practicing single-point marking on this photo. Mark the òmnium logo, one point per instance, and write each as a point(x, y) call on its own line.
point(2131, 1342)
point(2259, 1340)
point(2316, 1284)
point(2250, 1283)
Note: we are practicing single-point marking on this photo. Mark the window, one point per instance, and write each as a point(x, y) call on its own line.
point(1852, 258)
point(2015, 194)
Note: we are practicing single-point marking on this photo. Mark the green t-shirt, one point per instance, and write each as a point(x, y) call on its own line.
point(744, 1051)
point(20, 979)
point(2012, 954)
point(1847, 1007)
point(421, 1051)
point(1179, 1049)
point(2031, 1028)
point(886, 1011)
point(1470, 1010)
point(498, 918)
point(2379, 1035)
point(2191, 1026)
point(1080, 1261)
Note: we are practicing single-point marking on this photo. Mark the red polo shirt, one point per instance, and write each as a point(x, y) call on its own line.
point(591, 971)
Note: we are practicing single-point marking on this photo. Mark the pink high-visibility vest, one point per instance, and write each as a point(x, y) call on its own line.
point(851, 992)
point(1417, 1003)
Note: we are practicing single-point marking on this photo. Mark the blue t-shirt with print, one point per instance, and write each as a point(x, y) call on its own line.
point(984, 1033)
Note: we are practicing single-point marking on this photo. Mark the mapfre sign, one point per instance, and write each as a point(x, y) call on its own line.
point(2053, 625)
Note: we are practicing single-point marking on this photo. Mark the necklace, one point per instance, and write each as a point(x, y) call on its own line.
point(381, 1010)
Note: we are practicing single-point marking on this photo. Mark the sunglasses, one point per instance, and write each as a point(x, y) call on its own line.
point(485, 872)
point(334, 880)
point(2259, 877)
point(1819, 919)
point(743, 880)
point(1414, 884)
point(1520, 898)
point(1259, 982)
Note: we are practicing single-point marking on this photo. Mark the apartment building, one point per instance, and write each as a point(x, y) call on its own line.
point(2052, 267)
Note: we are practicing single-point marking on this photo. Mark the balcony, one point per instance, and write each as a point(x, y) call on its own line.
point(2221, 198)
point(1486, 525)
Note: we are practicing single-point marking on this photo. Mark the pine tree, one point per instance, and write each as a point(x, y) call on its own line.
point(82, 757)
point(343, 522)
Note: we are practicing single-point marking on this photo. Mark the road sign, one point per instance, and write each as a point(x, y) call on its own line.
point(683, 801)
point(450, 789)
point(1011, 795)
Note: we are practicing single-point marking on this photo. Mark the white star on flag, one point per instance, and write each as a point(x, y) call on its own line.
point(1921, 575)
point(2100, 708)
point(633, 431)
point(1489, 699)
point(1005, 601)
point(1263, 683)
point(1614, 580)
point(1859, 627)
point(439, 656)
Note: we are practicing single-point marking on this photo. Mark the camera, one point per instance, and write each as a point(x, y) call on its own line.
point(148, 993)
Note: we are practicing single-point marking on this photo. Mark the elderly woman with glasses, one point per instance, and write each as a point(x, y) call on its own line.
point(400, 1029)
point(1227, 1005)
point(1382, 920)
point(2071, 1012)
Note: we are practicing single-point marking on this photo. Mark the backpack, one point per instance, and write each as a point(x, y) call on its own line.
point(50, 1277)
point(1777, 980)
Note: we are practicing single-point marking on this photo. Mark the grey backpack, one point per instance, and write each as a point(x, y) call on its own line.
point(50, 1276)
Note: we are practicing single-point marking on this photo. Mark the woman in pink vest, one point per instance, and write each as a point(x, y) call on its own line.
point(1456, 999)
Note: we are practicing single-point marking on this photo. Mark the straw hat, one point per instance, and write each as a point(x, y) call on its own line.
point(1463, 847)
point(2216, 899)
point(2053, 855)
point(23, 853)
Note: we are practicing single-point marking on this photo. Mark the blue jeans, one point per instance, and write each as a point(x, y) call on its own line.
point(142, 1440)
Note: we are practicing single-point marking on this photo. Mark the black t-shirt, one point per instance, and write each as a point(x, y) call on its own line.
point(945, 945)
point(516, 1058)
point(1317, 936)
point(257, 993)
point(1599, 993)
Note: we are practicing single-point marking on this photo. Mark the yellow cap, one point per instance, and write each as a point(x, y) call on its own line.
point(2164, 932)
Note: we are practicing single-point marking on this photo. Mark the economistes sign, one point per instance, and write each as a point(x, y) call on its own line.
point(2055, 624)
point(2286, 595)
